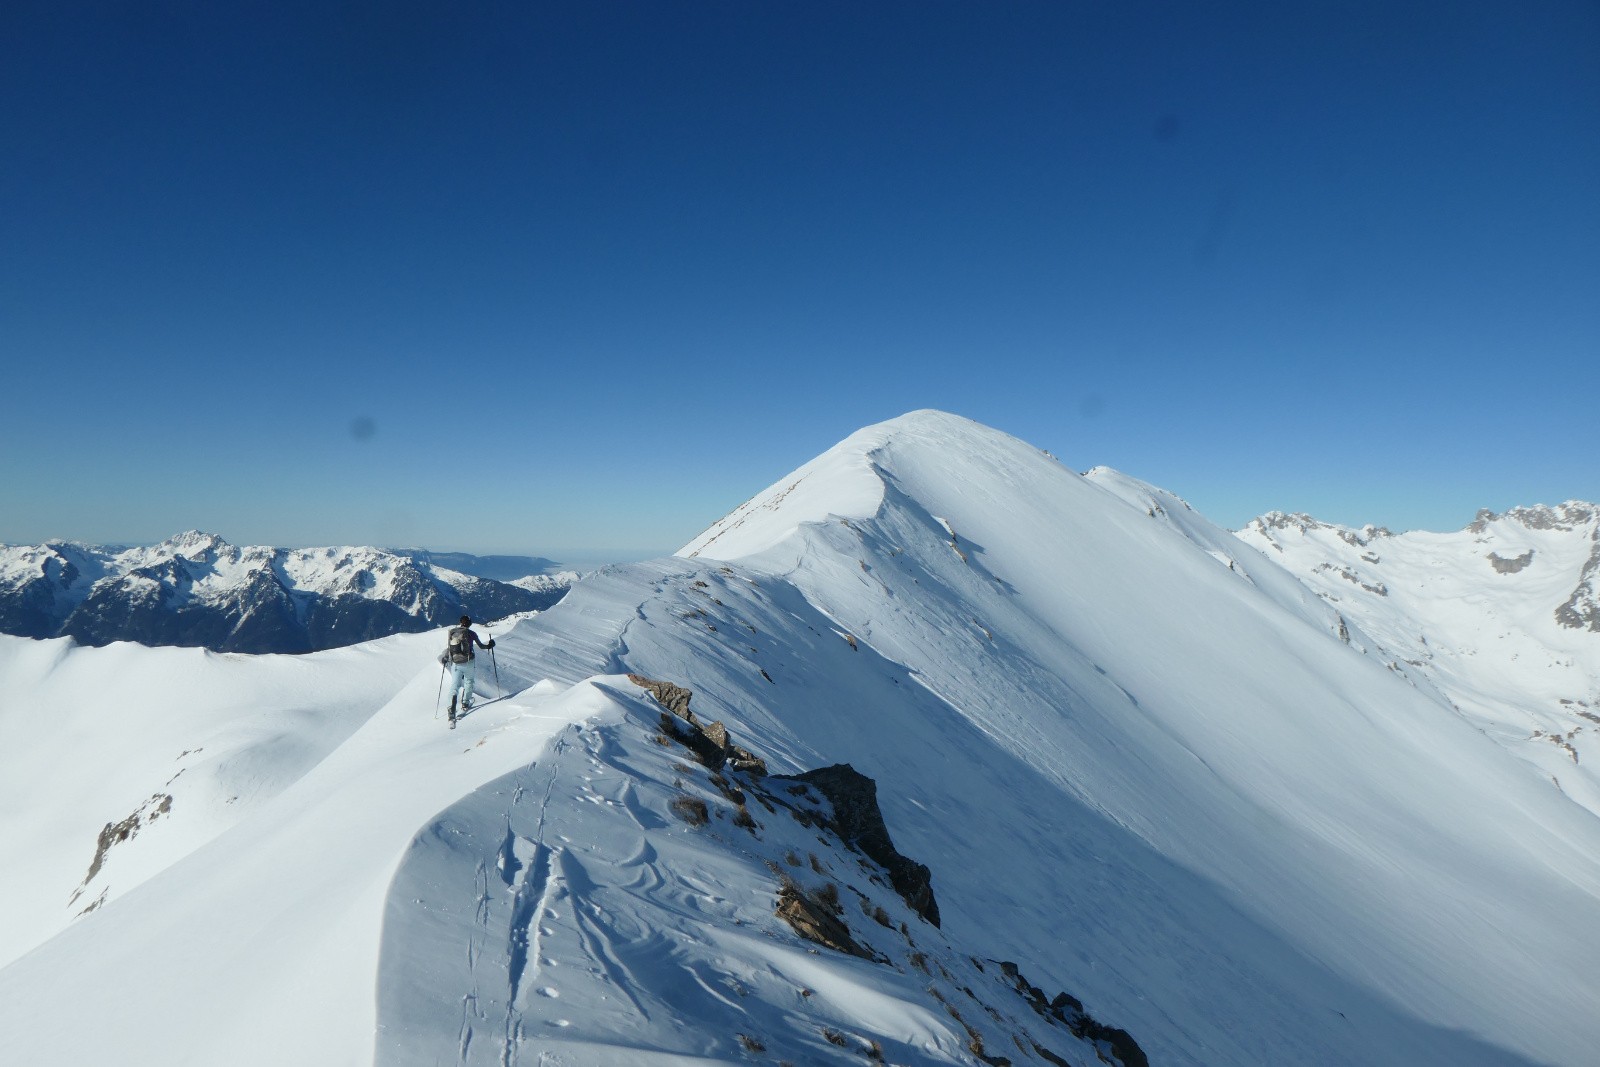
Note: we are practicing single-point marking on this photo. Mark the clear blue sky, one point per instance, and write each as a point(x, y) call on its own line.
point(577, 278)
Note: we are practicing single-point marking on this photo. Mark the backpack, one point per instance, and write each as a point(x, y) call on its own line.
point(460, 648)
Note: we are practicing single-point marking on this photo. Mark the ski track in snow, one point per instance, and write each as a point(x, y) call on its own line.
point(615, 928)
point(1142, 763)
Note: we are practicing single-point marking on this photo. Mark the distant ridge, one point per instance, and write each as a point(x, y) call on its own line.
point(1135, 759)
point(494, 568)
point(197, 590)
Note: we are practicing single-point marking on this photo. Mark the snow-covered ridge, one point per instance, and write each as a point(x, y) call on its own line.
point(1572, 515)
point(683, 907)
point(548, 583)
point(1278, 520)
point(1059, 612)
point(197, 589)
point(1137, 755)
point(843, 481)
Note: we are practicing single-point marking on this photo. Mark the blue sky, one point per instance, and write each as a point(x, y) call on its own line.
point(576, 279)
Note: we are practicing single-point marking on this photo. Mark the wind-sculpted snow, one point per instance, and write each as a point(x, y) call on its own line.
point(1141, 766)
point(1119, 660)
point(1025, 869)
point(599, 927)
point(92, 740)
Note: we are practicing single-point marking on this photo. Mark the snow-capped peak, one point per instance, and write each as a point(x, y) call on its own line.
point(1137, 759)
point(1305, 524)
point(197, 589)
point(849, 481)
point(1571, 515)
point(191, 543)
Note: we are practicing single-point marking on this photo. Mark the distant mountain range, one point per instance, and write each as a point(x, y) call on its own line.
point(495, 568)
point(196, 589)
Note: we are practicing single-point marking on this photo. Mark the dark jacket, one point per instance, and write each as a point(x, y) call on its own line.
point(470, 640)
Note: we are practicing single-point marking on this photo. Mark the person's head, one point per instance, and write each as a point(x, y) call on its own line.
point(466, 620)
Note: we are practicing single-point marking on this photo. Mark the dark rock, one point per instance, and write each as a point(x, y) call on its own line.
point(691, 810)
point(1068, 1011)
point(1066, 1002)
point(1502, 565)
point(733, 793)
point(859, 821)
point(672, 697)
point(115, 833)
point(817, 922)
point(1582, 609)
point(708, 743)
point(742, 759)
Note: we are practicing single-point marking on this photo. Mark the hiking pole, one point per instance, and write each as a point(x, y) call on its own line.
point(439, 695)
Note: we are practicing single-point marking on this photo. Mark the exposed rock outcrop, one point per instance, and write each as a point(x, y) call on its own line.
point(115, 833)
point(1582, 608)
point(708, 741)
point(839, 805)
point(1068, 1011)
point(1513, 565)
point(812, 917)
point(858, 821)
point(853, 813)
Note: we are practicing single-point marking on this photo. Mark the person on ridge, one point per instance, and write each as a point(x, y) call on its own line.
point(459, 654)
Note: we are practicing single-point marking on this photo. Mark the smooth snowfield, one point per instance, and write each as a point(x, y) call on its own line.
point(91, 735)
point(260, 945)
point(1142, 764)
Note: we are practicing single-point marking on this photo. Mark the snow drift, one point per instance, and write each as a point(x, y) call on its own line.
point(1143, 764)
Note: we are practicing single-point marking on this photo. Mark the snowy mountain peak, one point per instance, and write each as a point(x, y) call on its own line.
point(1572, 515)
point(1141, 761)
point(192, 544)
point(1071, 618)
point(1305, 524)
point(853, 479)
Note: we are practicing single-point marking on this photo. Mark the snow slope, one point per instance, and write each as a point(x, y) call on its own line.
point(1500, 617)
point(1351, 815)
point(242, 926)
point(1158, 782)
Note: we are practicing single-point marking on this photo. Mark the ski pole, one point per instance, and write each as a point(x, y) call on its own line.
point(496, 665)
point(439, 695)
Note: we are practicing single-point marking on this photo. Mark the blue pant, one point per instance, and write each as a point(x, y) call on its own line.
point(462, 677)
